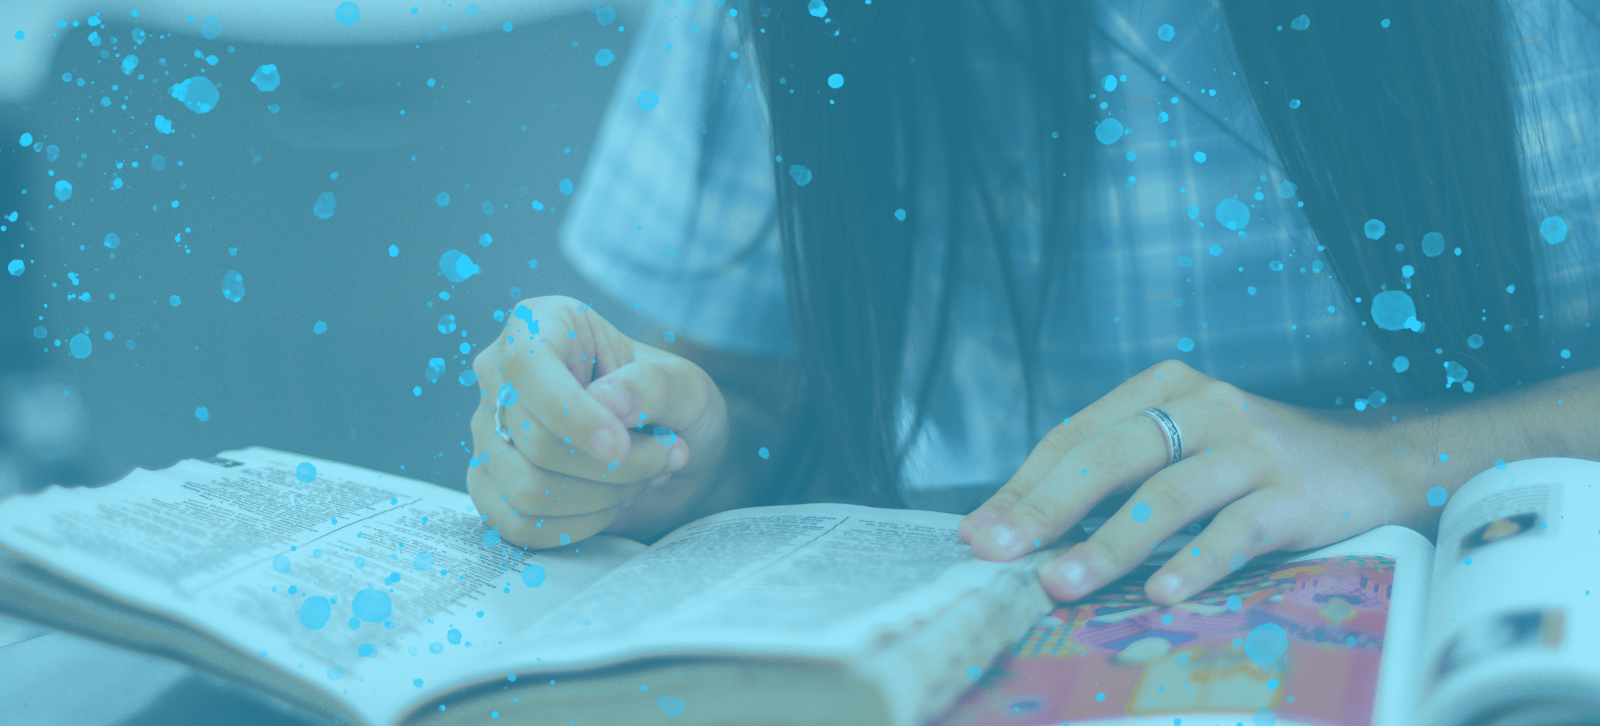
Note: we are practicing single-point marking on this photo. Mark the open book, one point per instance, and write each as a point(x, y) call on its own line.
point(373, 599)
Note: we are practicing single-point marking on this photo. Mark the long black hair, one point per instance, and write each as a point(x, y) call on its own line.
point(1413, 122)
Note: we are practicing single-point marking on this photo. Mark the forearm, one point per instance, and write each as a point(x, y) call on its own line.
point(1443, 444)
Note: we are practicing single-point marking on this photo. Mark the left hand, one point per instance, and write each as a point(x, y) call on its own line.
point(1278, 477)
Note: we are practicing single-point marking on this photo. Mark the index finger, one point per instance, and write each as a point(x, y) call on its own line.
point(553, 395)
point(1152, 386)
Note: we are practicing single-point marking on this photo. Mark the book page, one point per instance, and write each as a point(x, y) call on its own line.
point(815, 580)
point(1516, 607)
point(373, 587)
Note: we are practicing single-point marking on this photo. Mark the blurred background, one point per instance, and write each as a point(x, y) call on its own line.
point(327, 351)
point(131, 351)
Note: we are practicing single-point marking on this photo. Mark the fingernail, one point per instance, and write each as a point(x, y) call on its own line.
point(677, 458)
point(1167, 586)
point(1074, 575)
point(1002, 536)
point(659, 480)
point(604, 441)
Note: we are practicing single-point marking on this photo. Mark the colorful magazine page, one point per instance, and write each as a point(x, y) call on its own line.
point(1293, 643)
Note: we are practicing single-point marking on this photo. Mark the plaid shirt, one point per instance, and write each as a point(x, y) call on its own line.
point(685, 229)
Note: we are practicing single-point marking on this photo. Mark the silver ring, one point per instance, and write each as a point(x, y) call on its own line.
point(500, 424)
point(1174, 436)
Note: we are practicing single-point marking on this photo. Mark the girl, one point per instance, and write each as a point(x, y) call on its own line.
point(1296, 269)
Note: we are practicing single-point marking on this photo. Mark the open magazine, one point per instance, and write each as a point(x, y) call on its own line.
point(372, 599)
point(1497, 626)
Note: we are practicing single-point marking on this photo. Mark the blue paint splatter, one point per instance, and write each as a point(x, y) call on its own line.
point(672, 705)
point(508, 395)
point(666, 436)
point(1140, 512)
point(314, 612)
point(447, 323)
point(63, 190)
point(1437, 496)
point(373, 606)
point(457, 266)
point(1287, 189)
point(202, 413)
point(319, 327)
point(128, 64)
point(1166, 33)
point(533, 575)
point(763, 452)
point(1108, 131)
point(442, 199)
point(1234, 602)
point(325, 206)
point(233, 285)
point(1233, 214)
point(817, 8)
point(565, 185)
point(974, 673)
point(210, 28)
point(1200, 157)
point(266, 78)
point(454, 636)
point(800, 174)
point(305, 472)
point(1185, 344)
point(1300, 23)
point(648, 100)
point(1401, 364)
point(1264, 715)
point(1266, 643)
point(1391, 309)
point(1553, 229)
point(1237, 561)
point(605, 16)
point(565, 539)
point(280, 563)
point(347, 14)
point(1373, 229)
point(174, 301)
point(900, 214)
point(197, 93)
point(364, 650)
point(436, 648)
point(423, 561)
point(335, 673)
point(80, 346)
point(491, 538)
point(1433, 244)
point(836, 80)
point(468, 377)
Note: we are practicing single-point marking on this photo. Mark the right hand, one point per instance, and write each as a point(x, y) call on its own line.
point(587, 402)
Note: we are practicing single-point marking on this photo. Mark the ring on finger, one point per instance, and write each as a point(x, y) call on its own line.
point(1169, 429)
point(500, 424)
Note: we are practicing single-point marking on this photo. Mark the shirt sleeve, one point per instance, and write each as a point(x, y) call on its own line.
point(1557, 78)
point(676, 210)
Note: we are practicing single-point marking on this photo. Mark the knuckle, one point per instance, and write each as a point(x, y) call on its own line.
point(1171, 368)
